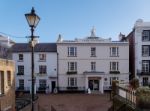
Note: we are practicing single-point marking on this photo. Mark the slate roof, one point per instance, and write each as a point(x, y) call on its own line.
point(40, 47)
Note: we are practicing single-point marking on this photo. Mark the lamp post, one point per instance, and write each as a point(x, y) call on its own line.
point(33, 21)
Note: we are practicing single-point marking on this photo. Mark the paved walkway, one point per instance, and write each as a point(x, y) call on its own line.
point(74, 102)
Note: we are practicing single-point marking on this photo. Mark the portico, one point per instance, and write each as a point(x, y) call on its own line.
point(94, 81)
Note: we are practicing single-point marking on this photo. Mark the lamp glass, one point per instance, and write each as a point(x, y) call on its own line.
point(32, 19)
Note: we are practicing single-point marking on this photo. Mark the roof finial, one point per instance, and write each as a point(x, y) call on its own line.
point(93, 32)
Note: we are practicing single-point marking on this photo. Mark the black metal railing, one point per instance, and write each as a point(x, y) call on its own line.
point(114, 72)
point(71, 72)
point(20, 73)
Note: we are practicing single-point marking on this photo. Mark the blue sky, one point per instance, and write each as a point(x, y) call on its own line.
point(72, 18)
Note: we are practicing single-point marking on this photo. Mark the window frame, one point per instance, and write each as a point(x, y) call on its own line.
point(146, 35)
point(145, 66)
point(21, 69)
point(42, 57)
point(72, 51)
point(9, 78)
point(21, 83)
point(114, 51)
point(20, 57)
point(145, 50)
point(72, 66)
point(93, 66)
point(114, 66)
point(113, 78)
point(93, 51)
point(72, 81)
point(42, 83)
point(2, 83)
point(42, 69)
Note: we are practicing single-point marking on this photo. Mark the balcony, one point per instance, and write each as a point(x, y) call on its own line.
point(20, 73)
point(71, 72)
point(20, 88)
point(140, 72)
point(114, 72)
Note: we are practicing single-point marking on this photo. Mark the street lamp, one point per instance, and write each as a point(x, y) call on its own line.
point(33, 21)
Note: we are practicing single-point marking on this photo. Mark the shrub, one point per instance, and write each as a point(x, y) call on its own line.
point(134, 83)
point(114, 87)
point(143, 97)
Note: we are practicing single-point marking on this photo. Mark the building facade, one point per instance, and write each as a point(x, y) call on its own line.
point(5, 47)
point(92, 62)
point(7, 85)
point(45, 60)
point(139, 40)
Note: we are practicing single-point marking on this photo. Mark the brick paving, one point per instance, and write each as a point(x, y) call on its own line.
point(74, 102)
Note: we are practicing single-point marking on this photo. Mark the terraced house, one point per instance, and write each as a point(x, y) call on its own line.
point(139, 39)
point(91, 62)
point(45, 59)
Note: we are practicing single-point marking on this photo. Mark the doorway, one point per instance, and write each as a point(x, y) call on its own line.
point(53, 84)
point(145, 81)
point(94, 85)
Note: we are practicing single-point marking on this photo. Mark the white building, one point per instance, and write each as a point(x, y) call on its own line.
point(139, 40)
point(45, 60)
point(5, 45)
point(92, 62)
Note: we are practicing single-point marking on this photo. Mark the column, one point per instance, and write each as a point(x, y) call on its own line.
point(102, 85)
point(86, 83)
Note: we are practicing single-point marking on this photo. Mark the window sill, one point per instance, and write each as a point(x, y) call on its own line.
point(20, 74)
point(72, 56)
point(93, 56)
point(114, 72)
point(42, 74)
point(145, 55)
point(42, 61)
point(20, 61)
point(71, 72)
point(114, 56)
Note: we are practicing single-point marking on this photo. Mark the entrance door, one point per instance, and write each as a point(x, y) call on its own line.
point(53, 83)
point(94, 85)
point(145, 81)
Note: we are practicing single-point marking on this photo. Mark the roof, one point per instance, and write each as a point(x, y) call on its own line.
point(5, 39)
point(40, 47)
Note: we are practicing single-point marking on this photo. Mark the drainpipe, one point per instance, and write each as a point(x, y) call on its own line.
point(57, 72)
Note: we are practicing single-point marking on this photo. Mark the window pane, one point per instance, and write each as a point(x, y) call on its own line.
point(21, 57)
point(42, 69)
point(145, 35)
point(145, 50)
point(72, 51)
point(145, 66)
point(93, 51)
point(42, 57)
point(8, 78)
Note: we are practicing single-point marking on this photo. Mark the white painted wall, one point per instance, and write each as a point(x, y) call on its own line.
point(84, 60)
point(51, 63)
point(139, 27)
